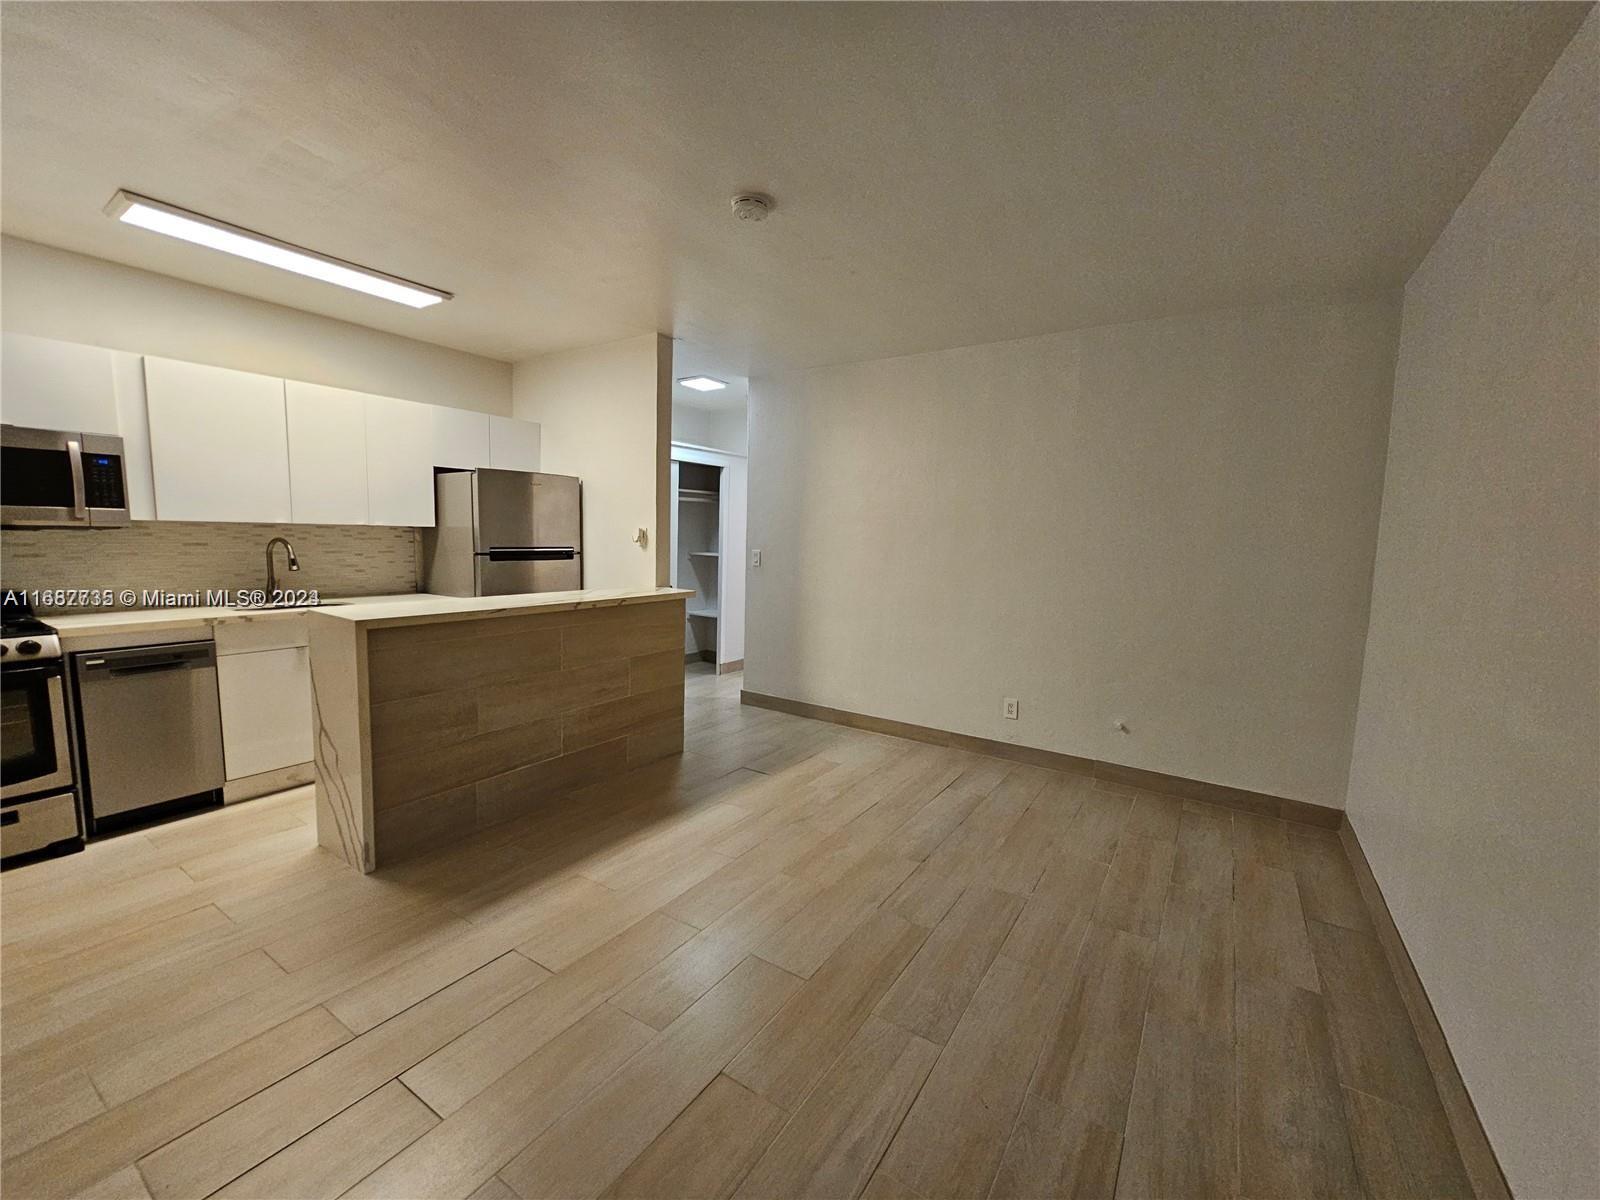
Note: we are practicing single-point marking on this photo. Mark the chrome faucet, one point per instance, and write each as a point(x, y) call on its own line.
point(272, 575)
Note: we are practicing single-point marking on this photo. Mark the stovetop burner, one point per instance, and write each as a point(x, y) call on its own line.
point(23, 637)
point(22, 626)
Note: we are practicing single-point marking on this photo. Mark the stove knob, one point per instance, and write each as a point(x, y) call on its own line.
point(4, 650)
point(29, 647)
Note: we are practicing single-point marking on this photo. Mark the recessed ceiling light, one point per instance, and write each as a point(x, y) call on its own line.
point(230, 239)
point(703, 383)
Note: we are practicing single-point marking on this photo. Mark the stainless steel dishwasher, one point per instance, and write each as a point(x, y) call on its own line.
point(150, 730)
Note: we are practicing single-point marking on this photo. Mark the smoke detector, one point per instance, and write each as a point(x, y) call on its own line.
point(752, 206)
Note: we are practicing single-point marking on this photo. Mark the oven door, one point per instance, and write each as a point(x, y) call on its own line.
point(33, 731)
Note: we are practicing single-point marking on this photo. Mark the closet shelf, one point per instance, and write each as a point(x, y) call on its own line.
point(704, 554)
point(709, 614)
point(698, 496)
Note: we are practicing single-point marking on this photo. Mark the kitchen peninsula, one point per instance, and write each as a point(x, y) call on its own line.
point(437, 716)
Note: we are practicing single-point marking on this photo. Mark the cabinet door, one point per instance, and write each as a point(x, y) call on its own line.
point(327, 454)
point(399, 462)
point(219, 445)
point(460, 437)
point(266, 710)
point(48, 384)
point(513, 444)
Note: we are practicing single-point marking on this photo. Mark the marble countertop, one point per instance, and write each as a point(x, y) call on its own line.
point(409, 608)
point(154, 620)
point(425, 609)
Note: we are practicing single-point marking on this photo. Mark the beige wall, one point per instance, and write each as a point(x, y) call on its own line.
point(1170, 522)
point(606, 416)
point(58, 294)
point(1475, 784)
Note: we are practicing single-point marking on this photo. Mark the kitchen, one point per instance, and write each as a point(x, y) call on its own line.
point(127, 702)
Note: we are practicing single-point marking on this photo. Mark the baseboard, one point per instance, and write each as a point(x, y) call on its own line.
point(1226, 797)
point(264, 784)
point(728, 668)
point(1477, 1155)
point(1154, 781)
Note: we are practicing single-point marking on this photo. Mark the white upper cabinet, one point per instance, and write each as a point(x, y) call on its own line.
point(513, 444)
point(327, 454)
point(48, 384)
point(219, 444)
point(399, 462)
point(460, 437)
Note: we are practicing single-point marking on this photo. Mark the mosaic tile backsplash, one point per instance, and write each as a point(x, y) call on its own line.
point(181, 556)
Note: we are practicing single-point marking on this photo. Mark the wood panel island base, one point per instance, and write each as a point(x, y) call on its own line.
point(438, 716)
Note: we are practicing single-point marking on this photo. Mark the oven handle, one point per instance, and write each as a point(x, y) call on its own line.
point(80, 501)
point(58, 718)
point(48, 666)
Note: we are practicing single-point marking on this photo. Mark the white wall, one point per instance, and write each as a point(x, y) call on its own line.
point(58, 294)
point(606, 413)
point(691, 424)
point(721, 429)
point(1170, 522)
point(1475, 783)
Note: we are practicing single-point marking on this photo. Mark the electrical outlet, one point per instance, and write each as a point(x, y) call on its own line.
point(1011, 708)
point(755, 558)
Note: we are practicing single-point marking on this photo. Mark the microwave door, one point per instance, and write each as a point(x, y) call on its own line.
point(41, 477)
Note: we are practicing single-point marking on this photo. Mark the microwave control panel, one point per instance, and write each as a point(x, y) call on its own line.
point(102, 481)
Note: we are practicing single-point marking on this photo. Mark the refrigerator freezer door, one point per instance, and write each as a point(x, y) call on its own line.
point(558, 576)
point(503, 505)
point(506, 578)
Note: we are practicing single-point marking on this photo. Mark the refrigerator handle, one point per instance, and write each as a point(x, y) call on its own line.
point(530, 553)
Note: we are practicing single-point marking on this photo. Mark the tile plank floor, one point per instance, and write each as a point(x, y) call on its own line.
point(799, 961)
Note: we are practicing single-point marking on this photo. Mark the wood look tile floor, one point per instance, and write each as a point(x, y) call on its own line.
point(799, 961)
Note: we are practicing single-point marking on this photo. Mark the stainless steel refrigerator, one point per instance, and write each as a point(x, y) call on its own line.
point(499, 533)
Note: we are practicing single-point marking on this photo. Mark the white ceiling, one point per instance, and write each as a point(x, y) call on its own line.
point(944, 174)
point(690, 359)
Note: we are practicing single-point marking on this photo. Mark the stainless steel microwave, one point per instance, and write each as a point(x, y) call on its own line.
point(75, 480)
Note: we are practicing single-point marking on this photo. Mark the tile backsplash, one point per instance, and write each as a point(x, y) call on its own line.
point(181, 556)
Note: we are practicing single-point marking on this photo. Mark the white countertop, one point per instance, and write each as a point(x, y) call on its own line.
point(409, 608)
point(425, 609)
point(154, 620)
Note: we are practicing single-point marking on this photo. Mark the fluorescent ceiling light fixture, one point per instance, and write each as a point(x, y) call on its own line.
point(703, 383)
point(230, 239)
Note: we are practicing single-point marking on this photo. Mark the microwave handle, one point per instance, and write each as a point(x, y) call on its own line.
point(80, 504)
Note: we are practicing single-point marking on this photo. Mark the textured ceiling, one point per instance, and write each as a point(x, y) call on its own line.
point(944, 175)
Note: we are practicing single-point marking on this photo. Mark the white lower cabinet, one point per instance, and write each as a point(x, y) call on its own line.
point(266, 709)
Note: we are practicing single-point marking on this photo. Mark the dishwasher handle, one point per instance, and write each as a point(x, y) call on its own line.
point(145, 659)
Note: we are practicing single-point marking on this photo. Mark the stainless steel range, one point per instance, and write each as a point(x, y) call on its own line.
point(38, 801)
